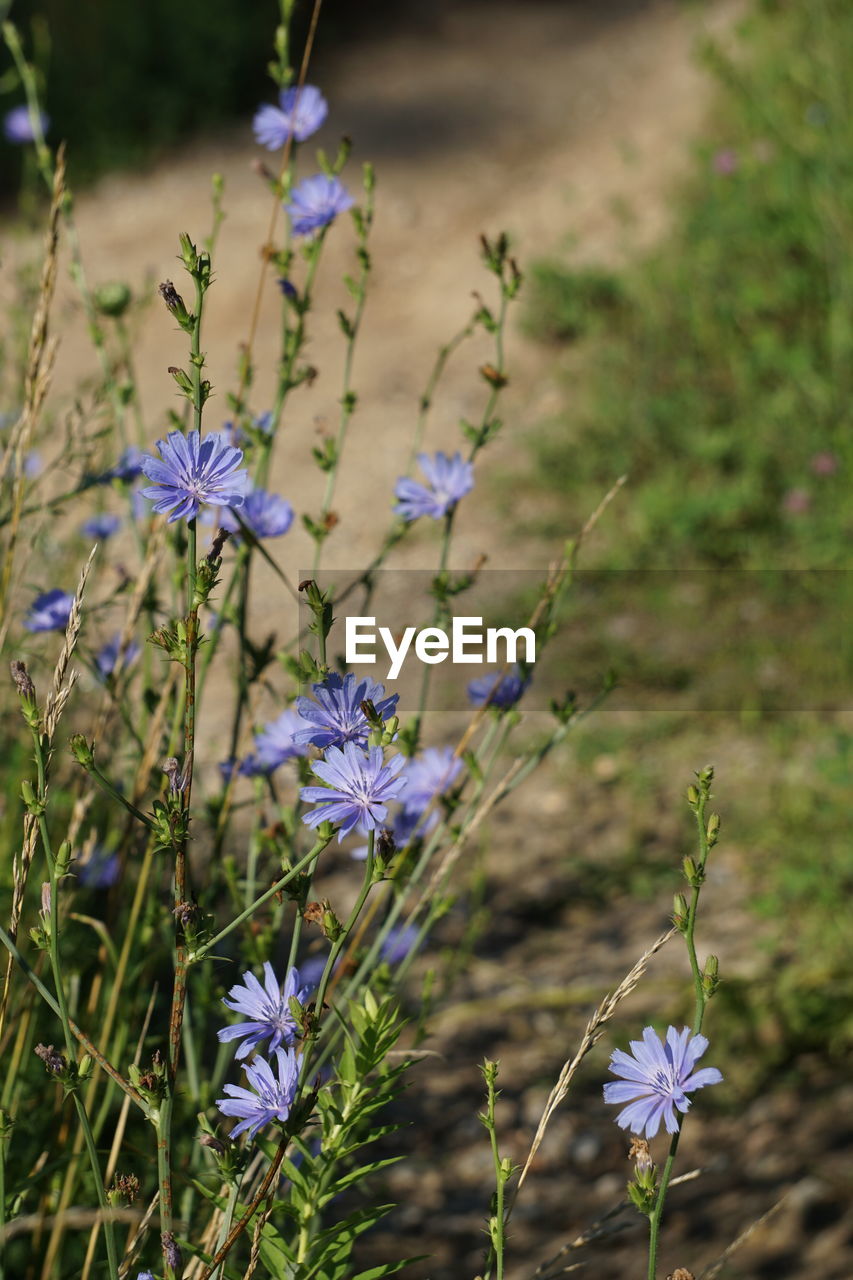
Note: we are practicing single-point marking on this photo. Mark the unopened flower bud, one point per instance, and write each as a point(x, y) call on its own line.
point(690, 870)
point(63, 859)
point(679, 911)
point(112, 299)
point(713, 828)
point(331, 926)
point(82, 752)
point(711, 976)
point(30, 799)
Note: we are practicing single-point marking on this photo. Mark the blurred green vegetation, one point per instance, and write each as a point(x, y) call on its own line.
point(125, 81)
point(717, 371)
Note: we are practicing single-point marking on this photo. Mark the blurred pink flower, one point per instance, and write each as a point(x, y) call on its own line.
point(824, 463)
point(725, 161)
point(796, 502)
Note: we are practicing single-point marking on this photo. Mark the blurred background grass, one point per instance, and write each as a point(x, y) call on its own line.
point(129, 81)
point(717, 371)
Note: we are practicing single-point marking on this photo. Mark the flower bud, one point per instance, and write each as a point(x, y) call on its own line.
point(82, 752)
point(331, 926)
point(63, 859)
point(711, 976)
point(679, 911)
point(189, 253)
point(30, 799)
point(112, 299)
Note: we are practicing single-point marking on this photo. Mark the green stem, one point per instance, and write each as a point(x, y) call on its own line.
point(227, 1219)
point(201, 952)
point(62, 1008)
point(705, 843)
point(3, 1141)
point(338, 946)
point(657, 1213)
point(498, 1224)
point(162, 1128)
point(348, 397)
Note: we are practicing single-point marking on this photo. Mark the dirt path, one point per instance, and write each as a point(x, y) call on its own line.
point(539, 119)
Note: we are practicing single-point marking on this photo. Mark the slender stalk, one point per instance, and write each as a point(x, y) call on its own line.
point(62, 1004)
point(698, 799)
point(336, 949)
point(3, 1141)
point(227, 1220)
point(204, 950)
point(351, 329)
point(261, 1194)
point(497, 1221)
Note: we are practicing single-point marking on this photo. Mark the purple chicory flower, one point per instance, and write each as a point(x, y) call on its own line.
point(265, 514)
point(300, 111)
point(18, 125)
point(100, 870)
point(359, 785)
point(449, 480)
point(268, 1098)
point(268, 1008)
point(128, 467)
point(107, 657)
point(311, 971)
point(429, 775)
point(401, 940)
point(501, 689)
point(101, 526)
point(315, 202)
point(336, 717)
point(192, 471)
point(50, 612)
point(656, 1080)
point(275, 744)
